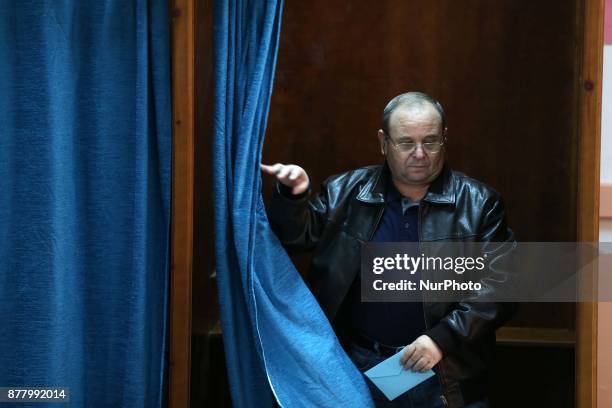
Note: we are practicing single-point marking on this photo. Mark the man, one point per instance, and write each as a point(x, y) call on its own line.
point(413, 197)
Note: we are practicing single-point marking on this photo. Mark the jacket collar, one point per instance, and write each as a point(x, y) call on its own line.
point(441, 190)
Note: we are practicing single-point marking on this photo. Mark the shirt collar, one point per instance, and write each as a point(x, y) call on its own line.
point(393, 194)
point(440, 191)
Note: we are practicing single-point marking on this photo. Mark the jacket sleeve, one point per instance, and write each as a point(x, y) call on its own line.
point(297, 220)
point(470, 320)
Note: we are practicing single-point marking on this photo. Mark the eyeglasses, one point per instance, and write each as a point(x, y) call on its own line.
point(409, 146)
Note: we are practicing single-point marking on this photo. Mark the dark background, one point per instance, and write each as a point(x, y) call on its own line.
point(506, 73)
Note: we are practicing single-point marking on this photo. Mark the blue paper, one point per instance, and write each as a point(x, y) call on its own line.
point(392, 379)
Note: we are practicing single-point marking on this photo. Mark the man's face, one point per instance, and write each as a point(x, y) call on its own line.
point(419, 166)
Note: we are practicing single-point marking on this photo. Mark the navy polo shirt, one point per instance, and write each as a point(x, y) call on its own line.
point(392, 323)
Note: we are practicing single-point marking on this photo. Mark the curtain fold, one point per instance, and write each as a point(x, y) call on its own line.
point(85, 154)
point(278, 342)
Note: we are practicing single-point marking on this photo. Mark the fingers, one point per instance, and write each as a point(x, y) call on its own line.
point(428, 366)
point(412, 362)
point(300, 187)
point(283, 173)
point(418, 363)
point(279, 170)
point(290, 175)
point(408, 352)
point(421, 365)
point(294, 173)
point(273, 169)
point(418, 358)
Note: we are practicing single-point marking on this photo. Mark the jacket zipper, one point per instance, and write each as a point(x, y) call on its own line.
point(440, 368)
point(378, 218)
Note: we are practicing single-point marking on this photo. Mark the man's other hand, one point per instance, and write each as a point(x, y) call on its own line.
point(421, 355)
point(290, 175)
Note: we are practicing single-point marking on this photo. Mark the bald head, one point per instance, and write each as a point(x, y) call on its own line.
point(416, 103)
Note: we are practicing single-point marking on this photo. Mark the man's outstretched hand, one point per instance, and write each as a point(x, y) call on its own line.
point(421, 355)
point(290, 175)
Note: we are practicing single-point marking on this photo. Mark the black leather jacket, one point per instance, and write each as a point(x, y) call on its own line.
point(346, 212)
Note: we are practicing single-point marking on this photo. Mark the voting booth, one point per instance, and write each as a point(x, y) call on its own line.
point(521, 85)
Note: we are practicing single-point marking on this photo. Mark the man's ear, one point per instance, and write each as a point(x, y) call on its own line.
point(381, 140)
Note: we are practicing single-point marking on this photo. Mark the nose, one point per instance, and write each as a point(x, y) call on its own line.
point(419, 153)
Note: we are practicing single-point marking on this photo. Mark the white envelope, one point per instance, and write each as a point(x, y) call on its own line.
point(392, 379)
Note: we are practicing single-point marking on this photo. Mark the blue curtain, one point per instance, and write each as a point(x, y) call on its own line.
point(85, 149)
point(276, 337)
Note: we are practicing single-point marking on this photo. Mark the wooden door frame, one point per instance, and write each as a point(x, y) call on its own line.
point(183, 125)
point(590, 61)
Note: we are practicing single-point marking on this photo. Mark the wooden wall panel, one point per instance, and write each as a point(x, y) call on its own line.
point(182, 203)
point(588, 105)
point(505, 71)
point(209, 385)
point(205, 306)
point(508, 72)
